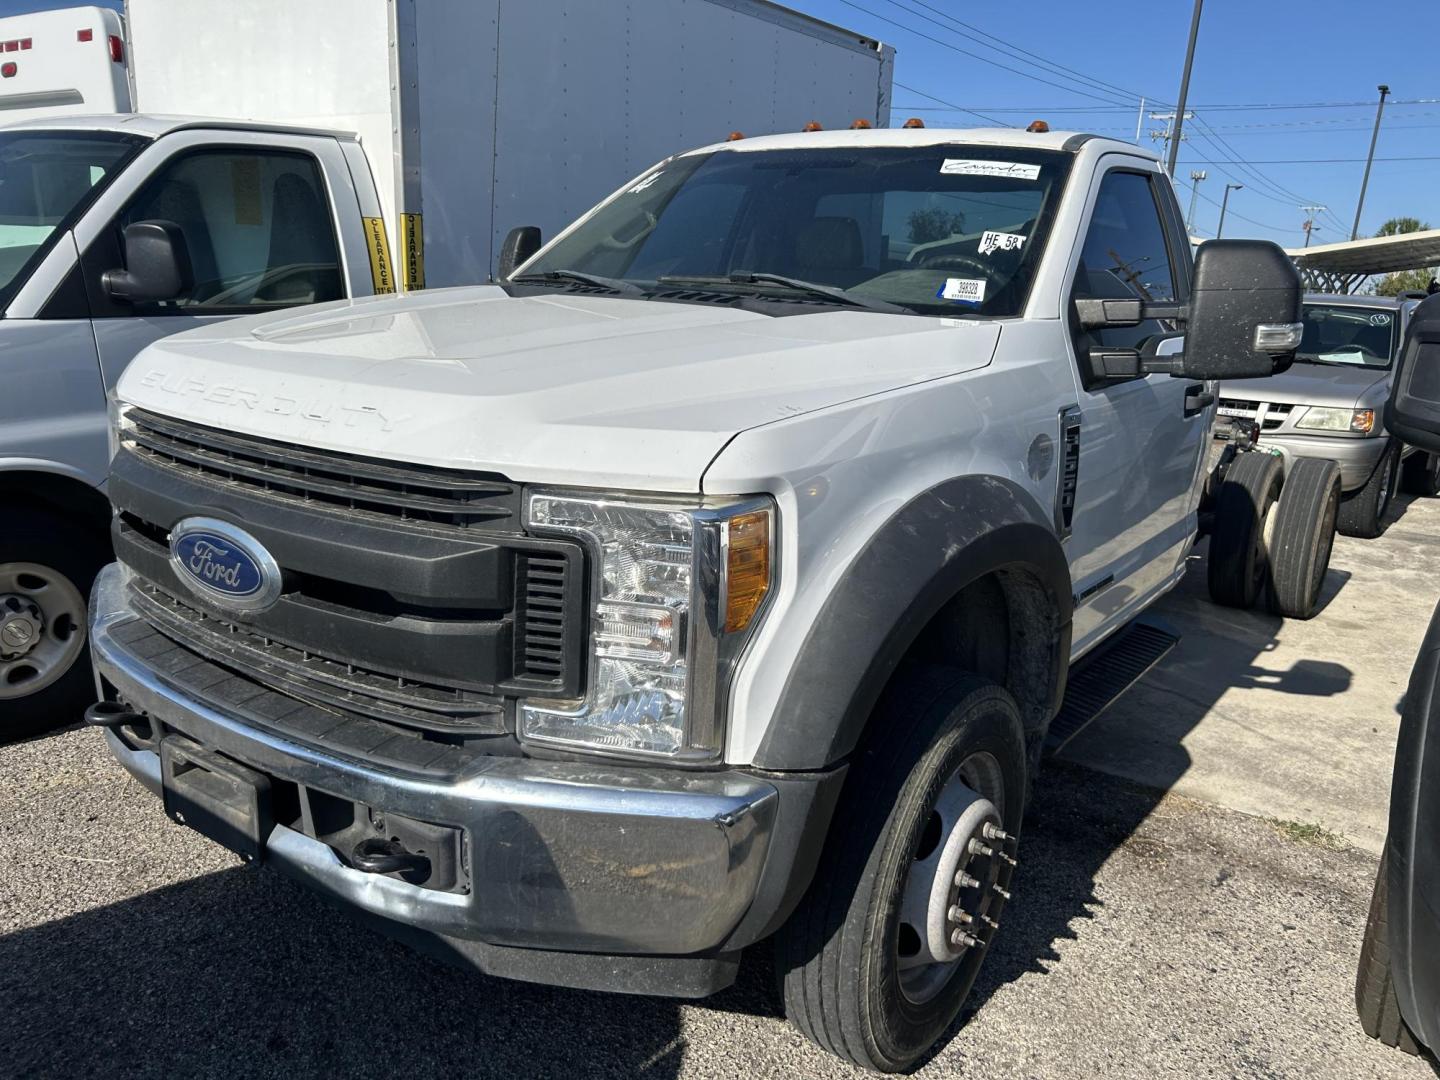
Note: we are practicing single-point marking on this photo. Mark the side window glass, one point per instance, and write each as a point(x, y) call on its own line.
point(257, 226)
point(1125, 256)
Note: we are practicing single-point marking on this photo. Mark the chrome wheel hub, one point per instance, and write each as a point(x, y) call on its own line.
point(950, 906)
point(42, 627)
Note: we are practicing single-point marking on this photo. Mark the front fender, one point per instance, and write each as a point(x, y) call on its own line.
point(942, 540)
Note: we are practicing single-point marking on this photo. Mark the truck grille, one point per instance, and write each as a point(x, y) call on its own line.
point(1275, 412)
point(417, 622)
point(324, 479)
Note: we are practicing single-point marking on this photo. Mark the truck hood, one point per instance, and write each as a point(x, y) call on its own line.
point(547, 389)
point(1311, 384)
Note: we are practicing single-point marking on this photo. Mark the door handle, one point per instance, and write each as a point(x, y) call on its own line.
point(1197, 400)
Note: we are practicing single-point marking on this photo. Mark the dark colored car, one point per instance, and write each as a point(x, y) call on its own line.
point(1398, 986)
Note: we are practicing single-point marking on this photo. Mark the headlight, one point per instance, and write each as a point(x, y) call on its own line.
point(676, 593)
point(1355, 421)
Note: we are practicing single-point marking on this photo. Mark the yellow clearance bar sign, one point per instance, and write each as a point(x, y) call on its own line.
point(382, 271)
point(412, 239)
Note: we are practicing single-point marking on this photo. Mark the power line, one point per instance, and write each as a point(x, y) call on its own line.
point(975, 56)
point(948, 106)
point(1018, 53)
point(1313, 161)
point(1205, 108)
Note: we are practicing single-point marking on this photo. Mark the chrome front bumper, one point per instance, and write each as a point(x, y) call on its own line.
point(563, 856)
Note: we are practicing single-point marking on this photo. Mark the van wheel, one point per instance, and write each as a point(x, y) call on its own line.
point(47, 565)
point(1301, 537)
point(878, 958)
point(1362, 512)
point(1420, 474)
point(1237, 561)
point(1374, 984)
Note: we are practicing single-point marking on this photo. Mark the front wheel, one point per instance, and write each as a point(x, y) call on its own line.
point(47, 565)
point(882, 952)
point(1374, 987)
point(1362, 512)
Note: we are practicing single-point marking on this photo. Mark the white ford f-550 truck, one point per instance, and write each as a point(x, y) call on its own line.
point(714, 577)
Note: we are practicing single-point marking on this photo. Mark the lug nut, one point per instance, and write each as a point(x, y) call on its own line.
point(965, 881)
point(962, 940)
point(994, 832)
point(959, 914)
point(977, 848)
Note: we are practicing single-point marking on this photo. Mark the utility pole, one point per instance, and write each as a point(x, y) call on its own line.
point(1196, 175)
point(1224, 202)
point(1169, 131)
point(1370, 158)
point(1180, 116)
point(1310, 226)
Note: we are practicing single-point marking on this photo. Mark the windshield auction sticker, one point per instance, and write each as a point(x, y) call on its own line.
point(966, 290)
point(1013, 170)
point(1000, 241)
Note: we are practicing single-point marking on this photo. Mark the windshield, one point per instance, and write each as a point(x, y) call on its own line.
point(1352, 336)
point(45, 178)
point(940, 230)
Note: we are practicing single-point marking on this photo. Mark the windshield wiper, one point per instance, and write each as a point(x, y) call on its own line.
point(747, 277)
point(555, 277)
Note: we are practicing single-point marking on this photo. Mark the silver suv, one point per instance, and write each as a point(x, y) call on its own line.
point(1328, 405)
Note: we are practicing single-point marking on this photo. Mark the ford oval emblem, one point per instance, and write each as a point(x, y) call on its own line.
point(223, 563)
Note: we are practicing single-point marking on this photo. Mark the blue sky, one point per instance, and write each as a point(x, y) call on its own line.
point(1322, 59)
point(1250, 52)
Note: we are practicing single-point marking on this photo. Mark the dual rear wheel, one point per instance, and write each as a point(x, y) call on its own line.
point(1273, 533)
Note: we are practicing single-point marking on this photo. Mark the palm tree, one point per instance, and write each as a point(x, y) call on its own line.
point(1404, 280)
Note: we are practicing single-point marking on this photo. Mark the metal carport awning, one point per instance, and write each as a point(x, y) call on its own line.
point(1339, 268)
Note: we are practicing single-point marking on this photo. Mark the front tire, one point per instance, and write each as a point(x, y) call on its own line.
point(1362, 512)
point(47, 565)
point(1374, 984)
point(880, 955)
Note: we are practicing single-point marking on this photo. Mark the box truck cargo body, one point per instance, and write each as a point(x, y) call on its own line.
point(70, 61)
point(480, 115)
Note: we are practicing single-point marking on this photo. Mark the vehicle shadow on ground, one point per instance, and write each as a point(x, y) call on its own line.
point(242, 972)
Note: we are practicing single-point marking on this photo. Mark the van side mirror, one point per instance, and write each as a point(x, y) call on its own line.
point(1244, 316)
point(157, 264)
point(1413, 412)
point(521, 242)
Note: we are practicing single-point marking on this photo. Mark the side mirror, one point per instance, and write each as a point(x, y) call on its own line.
point(1413, 412)
point(157, 264)
point(521, 242)
point(1244, 315)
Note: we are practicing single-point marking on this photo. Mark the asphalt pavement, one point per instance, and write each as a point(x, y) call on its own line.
point(1150, 936)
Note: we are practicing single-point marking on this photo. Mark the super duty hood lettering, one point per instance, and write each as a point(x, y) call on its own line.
point(232, 395)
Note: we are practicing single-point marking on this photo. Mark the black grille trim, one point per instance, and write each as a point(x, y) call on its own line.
point(358, 738)
point(344, 483)
point(322, 680)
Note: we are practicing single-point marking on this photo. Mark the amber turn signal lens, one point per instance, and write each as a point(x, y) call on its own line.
point(747, 568)
point(1363, 420)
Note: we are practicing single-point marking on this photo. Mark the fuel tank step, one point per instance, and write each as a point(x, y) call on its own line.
point(1101, 677)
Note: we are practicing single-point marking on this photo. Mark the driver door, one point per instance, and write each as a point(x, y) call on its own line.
point(259, 229)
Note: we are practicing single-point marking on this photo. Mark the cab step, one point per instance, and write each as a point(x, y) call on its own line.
point(1100, 678)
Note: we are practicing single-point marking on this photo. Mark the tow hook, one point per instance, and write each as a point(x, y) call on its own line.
point(376, 855)
point(112, 714)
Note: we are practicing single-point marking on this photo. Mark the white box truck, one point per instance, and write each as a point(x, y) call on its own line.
point(57, 62)
point(330, 125)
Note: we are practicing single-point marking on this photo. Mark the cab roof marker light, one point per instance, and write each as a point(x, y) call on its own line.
point(735, 136)
point(860, 124)
point(914, 122)
point(813, 125)
point(1038, 127)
